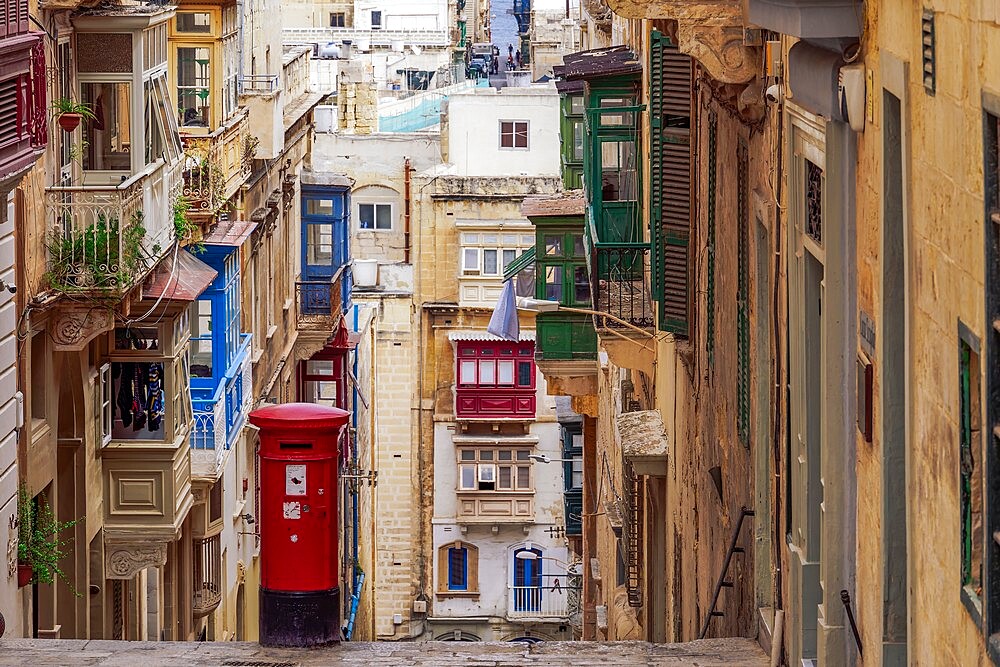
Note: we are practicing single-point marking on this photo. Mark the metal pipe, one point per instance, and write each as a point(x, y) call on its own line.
point(407, 197)
point(355, 601)
point(845, 597)
point(725, 569)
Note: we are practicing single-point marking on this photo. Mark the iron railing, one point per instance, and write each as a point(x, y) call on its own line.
point(320, 302)
point(553, 596)
point(217, 164)
point(259, 84)
point(107, 237)
point(207, 575)
point(619, 274)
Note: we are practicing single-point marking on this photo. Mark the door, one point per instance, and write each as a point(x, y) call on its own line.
point(527, 580)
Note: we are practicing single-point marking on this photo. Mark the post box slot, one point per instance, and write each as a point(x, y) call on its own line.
point(296, 445)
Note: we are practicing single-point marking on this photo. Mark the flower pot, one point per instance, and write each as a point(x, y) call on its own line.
point(24, 574)
point(69, 121)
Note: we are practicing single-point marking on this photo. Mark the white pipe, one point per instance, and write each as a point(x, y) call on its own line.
point(777, 637)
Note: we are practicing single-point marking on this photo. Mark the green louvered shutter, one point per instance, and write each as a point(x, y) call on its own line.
point(670, 181)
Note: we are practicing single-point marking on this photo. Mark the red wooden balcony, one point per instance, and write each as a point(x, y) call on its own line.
point(23, 111)
point(495, 379)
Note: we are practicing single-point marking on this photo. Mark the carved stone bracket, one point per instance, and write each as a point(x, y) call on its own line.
point(73, 328)
point(710, 31)
point(124, 561)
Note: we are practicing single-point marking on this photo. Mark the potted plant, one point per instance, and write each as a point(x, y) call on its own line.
point(69, 113)
point(39, 547)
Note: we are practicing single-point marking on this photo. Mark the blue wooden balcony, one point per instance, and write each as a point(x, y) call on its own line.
point(219, 413)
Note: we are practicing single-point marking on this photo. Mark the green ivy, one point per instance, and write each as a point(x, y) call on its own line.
point(38, 542)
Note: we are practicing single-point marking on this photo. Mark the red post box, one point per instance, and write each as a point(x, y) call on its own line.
point(299, 585)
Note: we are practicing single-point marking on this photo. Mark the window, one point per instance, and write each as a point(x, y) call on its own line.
point(971, 466)
point(319, 244)
point(193, 22)
point(162, 139)
point(194, 85)
point(458, 569)
point(488, 254)
point(107, 139)
point(338, 20)
point(578, 134)
point(375, 216)
point(496, 365)
point(376, 20)
point(619, 172)
point(563, 268)
point(500, 470)
point(514, 134)
point(105, 403)
point(140, 398)
point(201, 338)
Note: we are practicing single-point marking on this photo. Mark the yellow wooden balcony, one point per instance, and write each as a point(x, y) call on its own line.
point(217, 164)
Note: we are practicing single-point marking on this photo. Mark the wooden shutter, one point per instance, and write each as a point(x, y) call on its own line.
point(670, 181)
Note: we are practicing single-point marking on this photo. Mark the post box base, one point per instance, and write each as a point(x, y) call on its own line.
point(299, 619)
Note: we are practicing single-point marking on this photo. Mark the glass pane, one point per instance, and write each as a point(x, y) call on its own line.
point(366, 216)
point(470, 260)
point(319, 207)
point(618, 171)
point(553, 283)
point(524, 477)
point(553, 244)
point(107, 139)
point(137, 338)
point(468, 455)
point(505, 455)
point(505, 372)
point(468, 372)
point(319, 367)
point(468, 477)
point(524, 282)
point(326, 392)
point(490, 267)
point(524, 372)
point(384, 216)
point(508, 257)
point(581, 285)
point(194, 22)
point(577, 140)
point(485, 454)
point(576, 105)
point(319, 249)
point(140, 395)
point(578, 248)
point(505, 480)
point(487, 372)
point(523, 455)
point(194, 83)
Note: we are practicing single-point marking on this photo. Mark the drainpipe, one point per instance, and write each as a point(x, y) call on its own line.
point(240, 18)
point(355, 601)
point(406, 210)
point(358, 574)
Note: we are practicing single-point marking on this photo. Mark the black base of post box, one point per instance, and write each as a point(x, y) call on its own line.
point(299, 619)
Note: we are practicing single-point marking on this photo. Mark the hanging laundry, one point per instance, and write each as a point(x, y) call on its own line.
point(154, 396)
point(139, 380)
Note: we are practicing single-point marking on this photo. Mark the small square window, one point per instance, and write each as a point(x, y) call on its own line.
point(375, 216)
point(193, 22)
point(338, 20)
point(514, 134)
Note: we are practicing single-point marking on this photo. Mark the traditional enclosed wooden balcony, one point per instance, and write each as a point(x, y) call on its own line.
point(106, 238)
point(217, 164)
point(219, 419)
point(206, 567)
point(23, 111)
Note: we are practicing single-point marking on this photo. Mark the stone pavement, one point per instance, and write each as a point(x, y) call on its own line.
point(73, 652)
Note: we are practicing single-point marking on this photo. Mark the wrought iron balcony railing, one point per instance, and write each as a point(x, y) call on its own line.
point(107, 237)
point(259, 84)
point(320, 302)
point(619, 275)
point(553, 596)
point(207, 575)
point(217, 164)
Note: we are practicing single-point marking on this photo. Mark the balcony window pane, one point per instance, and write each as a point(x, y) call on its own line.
point(319, 248)
point(366, 216)
point(457, 567)
point(319, 367)
point(487, 372)
point(201, 339)
point(194, 22)
point(576, 478)
point(485, 454)
point(618, 171)
point(467, 373)
point(505, 455)
point(524, 372)
point(505, 480)
point(576, 105)
point(523, 455)
point(578, 248)
point(467, 477)
point(505, 372)
point(194, 84)
point(578, 136)
point(326, 393)
point(523, 477)
point(383, 216)
point(490, 267)
point(553, 283)
point(508, 257)
point(319, 207)
point(467, 455)
point(553, 244)
point(107, 140)
point(581, 285)
point(470, 261)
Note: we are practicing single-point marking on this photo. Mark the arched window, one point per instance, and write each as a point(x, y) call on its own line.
point(458, 569)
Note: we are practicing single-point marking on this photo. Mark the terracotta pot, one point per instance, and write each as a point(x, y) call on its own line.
point(24, 575)
point(69, 121)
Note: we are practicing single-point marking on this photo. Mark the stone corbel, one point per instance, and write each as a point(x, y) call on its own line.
point(74, 327)
point(124, 561)
point(710, 31)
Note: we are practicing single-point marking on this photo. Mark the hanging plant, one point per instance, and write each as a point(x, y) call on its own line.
point(69, 113)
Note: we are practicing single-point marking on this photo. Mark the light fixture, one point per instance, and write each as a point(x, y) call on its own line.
point(544, 458)
point(526, 555)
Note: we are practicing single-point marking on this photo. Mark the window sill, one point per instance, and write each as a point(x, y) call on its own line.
point(288, 304)
point(501, 492)
point(472, 595)
point(973, 605)
point(257, 355)
point(271, 330)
